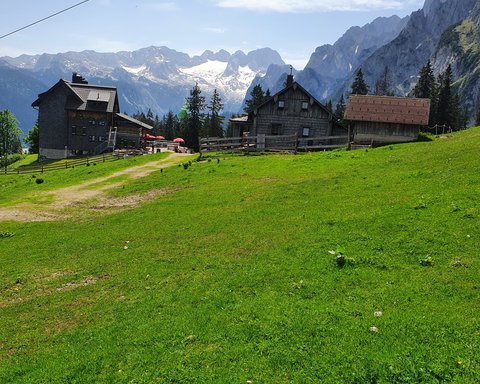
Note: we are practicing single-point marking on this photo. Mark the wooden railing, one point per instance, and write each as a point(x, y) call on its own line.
point(291, 143)
point(61, 164)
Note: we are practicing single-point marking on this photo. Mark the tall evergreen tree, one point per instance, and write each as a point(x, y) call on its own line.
point(329, 105)
point(359, 87)
point(340, 110)
point(257, 97)
point(383, 84)
point(427, 88)
point(171, 126)
point(445, 107)
point(195, 106)
point(215, 123)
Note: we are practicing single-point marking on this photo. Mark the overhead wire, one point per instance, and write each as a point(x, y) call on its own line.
point(45, 18)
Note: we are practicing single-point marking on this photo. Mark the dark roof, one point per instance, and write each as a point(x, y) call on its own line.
point(107, 96)
point(104, 98)
point(388, 109)
point(134, 121)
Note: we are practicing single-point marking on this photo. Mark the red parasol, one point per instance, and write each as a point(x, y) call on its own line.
point(178, 140)
point(160, 137)
point(148, 136)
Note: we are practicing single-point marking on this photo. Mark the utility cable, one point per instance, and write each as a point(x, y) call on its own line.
point(45, 18)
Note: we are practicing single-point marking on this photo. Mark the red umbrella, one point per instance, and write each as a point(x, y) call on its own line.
point(178, 140)
point(160, 137)
point(148, 136)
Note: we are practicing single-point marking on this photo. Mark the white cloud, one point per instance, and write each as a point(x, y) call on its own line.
point(290, 6)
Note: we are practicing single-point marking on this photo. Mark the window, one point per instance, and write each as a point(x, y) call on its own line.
point(276, 129)
point(74, 129)
point(84, 131)
point(91, 138)
point(281, 104)
point(304, 105)
point(305, 132)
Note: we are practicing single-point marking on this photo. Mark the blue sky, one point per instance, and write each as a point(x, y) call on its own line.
point(292, 27)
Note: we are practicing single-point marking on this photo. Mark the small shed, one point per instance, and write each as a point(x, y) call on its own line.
point(386, 119)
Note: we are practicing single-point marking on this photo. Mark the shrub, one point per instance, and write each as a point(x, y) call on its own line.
point(39, 181)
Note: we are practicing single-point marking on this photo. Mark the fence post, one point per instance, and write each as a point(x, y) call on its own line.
point(296, 142)
point(349, 138)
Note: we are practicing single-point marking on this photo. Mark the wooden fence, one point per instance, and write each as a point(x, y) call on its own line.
point(61, 164)
point(291, 143)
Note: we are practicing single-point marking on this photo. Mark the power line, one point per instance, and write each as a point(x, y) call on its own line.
point(45, 18)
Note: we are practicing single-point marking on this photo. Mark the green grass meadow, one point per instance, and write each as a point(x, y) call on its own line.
point(227, 276)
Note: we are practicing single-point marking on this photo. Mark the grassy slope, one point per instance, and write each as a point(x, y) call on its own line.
point(19, 188)
point(228, 278)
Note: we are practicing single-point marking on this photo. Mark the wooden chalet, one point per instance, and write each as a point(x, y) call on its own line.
point(77, 118)
point(292, 111)
point(386, 119)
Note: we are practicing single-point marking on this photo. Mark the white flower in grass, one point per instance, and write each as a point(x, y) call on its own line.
point(378, 314)
point(373, 329)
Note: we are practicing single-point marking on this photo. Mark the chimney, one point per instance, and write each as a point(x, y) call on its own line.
point(77, 79)
point(290, 78)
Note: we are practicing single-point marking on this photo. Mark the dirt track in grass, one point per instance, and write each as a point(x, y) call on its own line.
point(86, 195)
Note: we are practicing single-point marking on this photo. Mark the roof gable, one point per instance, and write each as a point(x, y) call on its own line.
point(295, 86)
point(60, 84)
point(388, 109)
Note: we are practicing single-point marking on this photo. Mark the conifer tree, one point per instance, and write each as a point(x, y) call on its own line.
point(329, 105)
point(427, 88)
point(195, 106)
point(359, 87)
point(171, 126)
point(215, 123)
point(383, 84)
point(340, 110)
point(445, 107)
point(257, 97)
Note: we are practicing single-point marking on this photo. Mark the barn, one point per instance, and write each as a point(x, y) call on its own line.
point(386, 119)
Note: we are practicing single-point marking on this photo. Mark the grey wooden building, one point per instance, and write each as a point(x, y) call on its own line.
point(386, 119)
point(77, 118)
point(292, 111)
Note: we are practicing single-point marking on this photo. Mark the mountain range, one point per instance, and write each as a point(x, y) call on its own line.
point(156, 78)
point(443, 31)
point(446, 32)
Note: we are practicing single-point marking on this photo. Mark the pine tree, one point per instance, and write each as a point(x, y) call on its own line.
point(359, 87)
point(427, 88)
point(215, 124)
point(257, 97)
point(195, 106)
point(382, 85)
point(445, 112)
point(171, 126)
point(329, 105)
point(340, 110)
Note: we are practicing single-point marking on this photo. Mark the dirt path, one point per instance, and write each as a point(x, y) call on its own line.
point(86, 195)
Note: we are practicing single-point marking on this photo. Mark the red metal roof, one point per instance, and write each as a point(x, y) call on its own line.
point(388, 109)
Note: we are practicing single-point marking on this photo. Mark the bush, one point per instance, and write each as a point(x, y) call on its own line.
point(39, 181)
point(11, 159)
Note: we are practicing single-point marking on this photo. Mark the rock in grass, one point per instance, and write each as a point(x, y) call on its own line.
point(378, 314)
point(373, 329)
